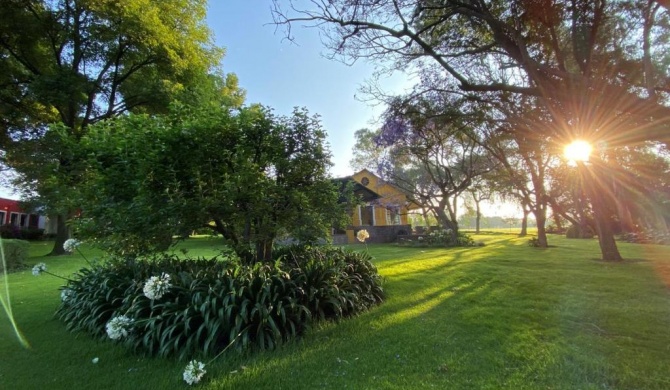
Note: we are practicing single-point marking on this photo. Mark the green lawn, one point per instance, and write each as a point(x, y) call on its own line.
point(502, 316)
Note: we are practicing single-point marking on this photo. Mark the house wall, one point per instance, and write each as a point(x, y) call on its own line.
point(11, 213)
point(383, 226)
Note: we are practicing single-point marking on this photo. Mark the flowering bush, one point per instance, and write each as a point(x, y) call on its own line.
point(201, 306)
point(194, 372)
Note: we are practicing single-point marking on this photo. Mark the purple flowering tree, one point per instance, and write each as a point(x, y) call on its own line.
point(432, 150)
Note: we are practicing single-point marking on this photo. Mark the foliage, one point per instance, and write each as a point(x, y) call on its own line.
point(432, 149)
point(246, 174)
point(21, 233)
point(77, 62)
point(16, 254)
point(574, 231)
point(440, 238)
point(597, 70)
point(212, 303)
point(533, 242)
point(336, 282)
point(661, 237)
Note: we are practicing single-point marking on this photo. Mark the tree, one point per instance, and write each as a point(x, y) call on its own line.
point(598, 67)
point(246, 174)
point(78, 62)
point(433, 152)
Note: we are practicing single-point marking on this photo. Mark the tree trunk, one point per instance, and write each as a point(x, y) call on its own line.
point(602, 217)
point(446, 222)
point(62, 234)
point(608, 247)
point(264, 250)
point(478, 218)
point(524, 223)
point(541, 219)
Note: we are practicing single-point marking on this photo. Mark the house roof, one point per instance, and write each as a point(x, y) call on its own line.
point(362, 192)
point(411, 205)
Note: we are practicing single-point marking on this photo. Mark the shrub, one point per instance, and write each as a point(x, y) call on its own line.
point(336, 282)
point(16, 252)
point(443, 237)
point(534, 242)
point(660, 237)
point(209, 304)
point(21, 233)
point(574, 231)
point(553, 229)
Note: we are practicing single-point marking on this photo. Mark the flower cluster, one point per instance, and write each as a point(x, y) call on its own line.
point(71, 244)
point(362, 235)
point(157, 286)
point(66, 294)
point(194, 372)
point(39, 268)
point(119, 327)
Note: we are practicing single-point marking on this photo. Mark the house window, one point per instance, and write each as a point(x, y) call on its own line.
point(14, 219)
point(367, 215)
point(23, 220)
point(365, 181)
point(392, 217)
point(3, 215)
point(34, 220)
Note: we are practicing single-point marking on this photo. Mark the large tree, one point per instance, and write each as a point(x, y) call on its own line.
point(599, 67)
point(433, 151)
point(77, 62)
point(246, 174)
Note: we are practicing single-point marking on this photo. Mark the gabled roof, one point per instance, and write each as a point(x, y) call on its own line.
point(363, 193)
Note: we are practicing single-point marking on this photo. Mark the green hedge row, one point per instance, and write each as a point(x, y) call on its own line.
point(201, 306)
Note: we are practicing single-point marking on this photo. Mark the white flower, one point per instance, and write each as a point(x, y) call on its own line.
point(420, 238)
point(194, 371)
point(66, 294)
point(362, 235)
point(71, 244)
point(39, 268)
point(95, 360)
point(119, 327)
point(156, 286)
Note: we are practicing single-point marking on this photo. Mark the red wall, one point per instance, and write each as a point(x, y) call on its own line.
point(9, 206)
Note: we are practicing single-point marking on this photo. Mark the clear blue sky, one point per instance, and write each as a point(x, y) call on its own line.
point(283, 75)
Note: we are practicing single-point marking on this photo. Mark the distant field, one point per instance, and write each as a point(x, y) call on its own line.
point(502, 316)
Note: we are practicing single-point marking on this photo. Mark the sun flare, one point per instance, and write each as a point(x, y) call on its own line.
point(578, 151)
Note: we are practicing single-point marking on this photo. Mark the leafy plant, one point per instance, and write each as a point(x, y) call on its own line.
point(210, 304)
point(16, 252)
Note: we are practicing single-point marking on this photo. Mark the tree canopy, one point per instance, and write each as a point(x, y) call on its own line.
point(77, 62)
point(598, 68)
point(246, 174)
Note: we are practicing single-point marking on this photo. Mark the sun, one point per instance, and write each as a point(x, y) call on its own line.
point(578, 151)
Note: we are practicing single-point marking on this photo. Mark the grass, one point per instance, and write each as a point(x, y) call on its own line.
point(503, 316)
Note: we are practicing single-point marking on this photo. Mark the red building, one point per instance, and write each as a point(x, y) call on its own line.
point(12, 214)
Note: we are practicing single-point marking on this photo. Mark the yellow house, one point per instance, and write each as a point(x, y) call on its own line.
point(383, 213)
